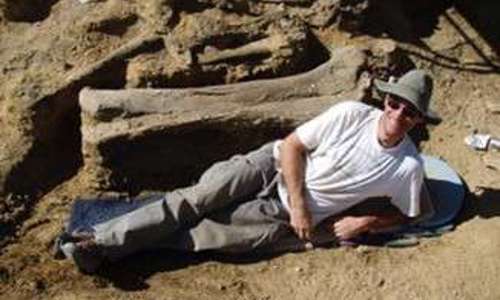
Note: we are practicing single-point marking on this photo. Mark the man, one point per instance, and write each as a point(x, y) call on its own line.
point(354, 153)
point(348, 154)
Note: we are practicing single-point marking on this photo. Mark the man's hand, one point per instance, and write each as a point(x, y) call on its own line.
point(301, 222)
point(348, 227)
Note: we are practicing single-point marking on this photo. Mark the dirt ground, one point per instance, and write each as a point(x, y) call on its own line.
point(462, 264)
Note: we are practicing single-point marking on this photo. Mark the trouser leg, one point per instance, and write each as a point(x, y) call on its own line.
point(236, 180)
point(239, 228)
point(257, 226)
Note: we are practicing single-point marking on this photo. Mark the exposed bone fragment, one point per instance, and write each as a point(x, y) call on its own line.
point(205, 50)
point(263, 46)
point(128, 50)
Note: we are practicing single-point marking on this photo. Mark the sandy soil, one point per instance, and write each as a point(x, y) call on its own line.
point(462, 264)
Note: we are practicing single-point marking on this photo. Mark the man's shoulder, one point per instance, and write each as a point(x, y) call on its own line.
point(353, 105)
point(353, 108)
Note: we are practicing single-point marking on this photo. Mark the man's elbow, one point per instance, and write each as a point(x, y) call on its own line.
point(292, 144)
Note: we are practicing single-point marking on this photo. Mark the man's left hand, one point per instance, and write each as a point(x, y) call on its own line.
point(348, 227)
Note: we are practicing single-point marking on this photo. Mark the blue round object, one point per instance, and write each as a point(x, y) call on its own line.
point(446, 191)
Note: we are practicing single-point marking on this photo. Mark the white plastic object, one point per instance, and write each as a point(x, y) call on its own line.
point(478, 141)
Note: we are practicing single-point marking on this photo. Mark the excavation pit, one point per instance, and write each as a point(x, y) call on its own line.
point(176, 157)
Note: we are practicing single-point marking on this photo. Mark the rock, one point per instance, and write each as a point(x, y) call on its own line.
point(323, 12)
point(493, 107)
point(157, 14)
point(353, 15)
point(350, 14)
point(386, 60)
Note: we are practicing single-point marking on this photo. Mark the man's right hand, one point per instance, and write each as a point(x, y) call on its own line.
point(301, 222)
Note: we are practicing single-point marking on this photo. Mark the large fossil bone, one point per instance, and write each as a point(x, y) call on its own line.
point(142, 136)
point(337, 75)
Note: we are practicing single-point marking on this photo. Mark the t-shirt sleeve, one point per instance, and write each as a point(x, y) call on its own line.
point(329, 123)
point(407, 200)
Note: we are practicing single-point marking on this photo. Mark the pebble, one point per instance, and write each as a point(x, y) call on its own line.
point(309, 246)
point(381, 282)
point(37, 285)
point(257, 121)
point(493, 107)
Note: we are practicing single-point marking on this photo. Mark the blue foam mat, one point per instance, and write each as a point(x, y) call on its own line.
point(87, 212)
point(445, 188)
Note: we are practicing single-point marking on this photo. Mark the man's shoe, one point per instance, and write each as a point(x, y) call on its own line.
point(82, 249)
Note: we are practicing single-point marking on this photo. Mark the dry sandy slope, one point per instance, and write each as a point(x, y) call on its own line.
point(463, 264)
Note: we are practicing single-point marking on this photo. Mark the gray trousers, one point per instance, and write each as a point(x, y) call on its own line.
point(234, 207)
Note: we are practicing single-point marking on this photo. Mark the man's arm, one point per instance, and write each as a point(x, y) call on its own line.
point(292, 165)
point(347, 227)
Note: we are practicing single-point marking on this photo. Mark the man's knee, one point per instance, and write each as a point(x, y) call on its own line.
point(263, 159)
point(239, 178)
point(259, 162)
point(222, 172)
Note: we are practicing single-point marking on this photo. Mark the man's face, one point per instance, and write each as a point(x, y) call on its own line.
point(400, 116)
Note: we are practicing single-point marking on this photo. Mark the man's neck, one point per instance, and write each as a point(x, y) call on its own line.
point(387, 143)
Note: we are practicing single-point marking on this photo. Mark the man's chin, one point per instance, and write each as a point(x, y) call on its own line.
point(396, 131)
point(396, 134)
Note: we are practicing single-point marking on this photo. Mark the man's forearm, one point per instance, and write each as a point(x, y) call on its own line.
point(292, 166)
point(380, 222)
point(349, 226)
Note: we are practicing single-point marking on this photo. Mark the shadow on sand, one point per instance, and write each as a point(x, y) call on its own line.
point(132, 274)
point(485, 204)
point(412, 22)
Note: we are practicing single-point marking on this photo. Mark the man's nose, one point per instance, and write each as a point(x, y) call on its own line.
point(399, 113)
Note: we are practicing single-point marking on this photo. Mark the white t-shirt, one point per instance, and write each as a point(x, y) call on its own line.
point(346, 163)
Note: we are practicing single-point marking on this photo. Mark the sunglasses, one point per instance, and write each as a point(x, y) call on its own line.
point(409, 110)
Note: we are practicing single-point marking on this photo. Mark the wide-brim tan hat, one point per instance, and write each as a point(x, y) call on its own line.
point(416, 87)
